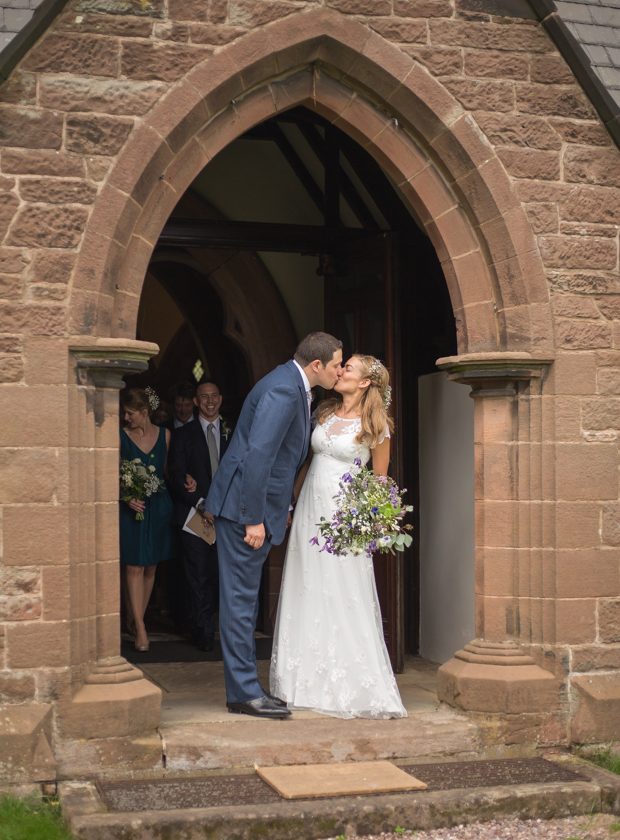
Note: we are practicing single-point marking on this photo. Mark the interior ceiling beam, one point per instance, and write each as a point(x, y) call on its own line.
point(346, 186)
point(257, 236)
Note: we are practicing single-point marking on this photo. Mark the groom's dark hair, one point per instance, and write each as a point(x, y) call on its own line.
point(317, 345)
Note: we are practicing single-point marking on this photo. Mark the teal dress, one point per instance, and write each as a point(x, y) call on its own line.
point(147, 542)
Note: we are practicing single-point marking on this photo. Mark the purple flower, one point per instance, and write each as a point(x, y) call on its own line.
point(314, 541)
point(358, 462)
point(347, 477)
point(375, 510)
point(372, 546)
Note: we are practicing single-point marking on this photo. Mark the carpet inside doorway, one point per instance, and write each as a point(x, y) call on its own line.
point(185, 651)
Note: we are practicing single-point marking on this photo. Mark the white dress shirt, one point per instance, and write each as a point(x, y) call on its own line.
point(306, 384)
point(216, 429)
point(179, 423)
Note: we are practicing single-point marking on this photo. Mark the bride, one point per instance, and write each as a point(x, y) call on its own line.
point(329, 654)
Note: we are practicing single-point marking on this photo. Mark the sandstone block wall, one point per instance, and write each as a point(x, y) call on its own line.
point(80, 159)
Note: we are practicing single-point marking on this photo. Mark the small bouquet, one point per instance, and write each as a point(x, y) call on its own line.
point(138, 481)
point(368, 517)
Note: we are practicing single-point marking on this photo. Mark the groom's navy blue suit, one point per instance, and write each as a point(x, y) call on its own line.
point(254, 485)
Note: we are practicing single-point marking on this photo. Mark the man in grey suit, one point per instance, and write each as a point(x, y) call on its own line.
point(250, 497)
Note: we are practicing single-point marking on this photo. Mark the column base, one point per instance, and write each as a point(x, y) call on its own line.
point(116, 701)
point(496, 677)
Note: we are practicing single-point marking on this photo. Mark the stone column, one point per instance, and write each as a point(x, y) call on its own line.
point(493, 673)
point(110, 698)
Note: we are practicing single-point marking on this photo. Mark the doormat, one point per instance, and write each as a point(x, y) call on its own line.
point(319, 781)
point(185, 651)
point(220, 791)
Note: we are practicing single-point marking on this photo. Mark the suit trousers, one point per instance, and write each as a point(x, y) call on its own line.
point(240, 575)
point(201, 571)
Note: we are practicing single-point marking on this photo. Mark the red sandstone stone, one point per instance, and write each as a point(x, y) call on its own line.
point(575, 620)
point(172, 31)
point(51, 267)
point(30, 129)
point(609, 382)
point(19, 89)
point(609, 306)
point(584, 229)
point(591, 204)
point(48, 226)
point(182, 114)
point(17, 687)
point(218, 11)
point(8, 208)
point(543, 217)
point(585, 283)
point(587, 573)
point(11, 369)
point(595, 658)
point(509, 130)
point(440, 62)
point(474, 95)
point(13, 260)
point(592, 166)
point(530, 163)
point(496, 65)
point(68, 53)
point(109, 97)
point(188, 10)
point(254, 56)
point(490, 37)
point(541, 191)
point(551, 70)
point(586, 134)
point(144, 160)
point(11, 286)
point(609, 621)
point(401, 30)
point(32, 319)
point(57, 191)
point(422, 8)
point(96, 134)
point(581, 335)
point(216, 35)
point(578, 252)
point(166, 62)
point(573, 307)
point(42, 162)
point(254, 13)
point(125, 25)
point(550, 99)
point(364, 7)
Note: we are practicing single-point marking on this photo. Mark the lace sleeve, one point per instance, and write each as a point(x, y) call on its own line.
point(386, 434)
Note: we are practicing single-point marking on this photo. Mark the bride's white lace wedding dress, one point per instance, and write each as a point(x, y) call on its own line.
point(329, 654)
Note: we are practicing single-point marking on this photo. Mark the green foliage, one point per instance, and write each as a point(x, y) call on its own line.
point(615, 826)
point(399, 830)
point(31, 819)
point(608, 758)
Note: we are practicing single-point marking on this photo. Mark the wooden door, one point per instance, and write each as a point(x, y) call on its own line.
point(359, 310)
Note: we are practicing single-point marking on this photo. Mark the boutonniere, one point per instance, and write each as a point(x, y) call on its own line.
point(224, 428)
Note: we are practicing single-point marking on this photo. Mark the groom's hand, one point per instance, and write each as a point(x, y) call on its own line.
point(254, 535)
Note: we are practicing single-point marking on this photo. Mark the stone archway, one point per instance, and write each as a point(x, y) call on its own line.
point(416, 130)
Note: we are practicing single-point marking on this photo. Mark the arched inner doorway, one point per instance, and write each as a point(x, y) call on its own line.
point(294, 227)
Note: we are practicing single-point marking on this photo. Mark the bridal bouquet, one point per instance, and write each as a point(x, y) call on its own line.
point(138, 481)
point(368, 516)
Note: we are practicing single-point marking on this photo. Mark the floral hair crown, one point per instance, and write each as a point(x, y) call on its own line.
point(153, 398)
point(376, 369)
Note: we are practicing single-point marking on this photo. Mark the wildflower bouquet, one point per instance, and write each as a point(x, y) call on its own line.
point(368, 516)
point(138, 481)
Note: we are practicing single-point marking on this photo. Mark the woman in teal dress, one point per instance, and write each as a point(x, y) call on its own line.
point(144, 543)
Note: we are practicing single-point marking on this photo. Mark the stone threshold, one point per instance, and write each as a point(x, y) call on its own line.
point(88, 818)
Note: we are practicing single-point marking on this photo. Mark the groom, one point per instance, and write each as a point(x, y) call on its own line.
point(250, 498)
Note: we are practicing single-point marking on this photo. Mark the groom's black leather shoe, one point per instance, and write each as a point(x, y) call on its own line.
point(276, 700)
point(262, 707)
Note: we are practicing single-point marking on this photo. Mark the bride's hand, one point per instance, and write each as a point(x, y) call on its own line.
point(289, 519)
point(190, 483)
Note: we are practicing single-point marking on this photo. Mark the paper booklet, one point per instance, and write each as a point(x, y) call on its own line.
point(194, 525)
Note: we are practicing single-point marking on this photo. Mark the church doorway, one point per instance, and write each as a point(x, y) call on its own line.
point(294, 227)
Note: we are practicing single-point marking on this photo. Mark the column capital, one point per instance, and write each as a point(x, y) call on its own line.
point(493, 374)
point(107, 359)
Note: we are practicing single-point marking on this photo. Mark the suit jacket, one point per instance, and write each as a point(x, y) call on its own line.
point(254, 482)
point(189, 453)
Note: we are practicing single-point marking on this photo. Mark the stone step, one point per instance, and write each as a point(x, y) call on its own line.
point(89, 819)
point(321, 740)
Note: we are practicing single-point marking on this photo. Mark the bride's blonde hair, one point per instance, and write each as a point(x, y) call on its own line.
point(375, 417)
